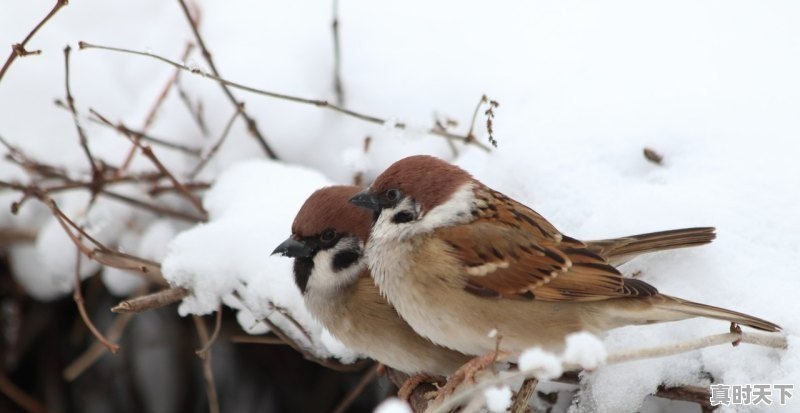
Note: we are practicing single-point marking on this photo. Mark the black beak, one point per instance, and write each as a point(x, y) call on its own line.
point(294, 249)
point(365, 199)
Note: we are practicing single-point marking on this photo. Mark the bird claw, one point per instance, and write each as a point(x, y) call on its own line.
point(466, 373)
point(411, 384)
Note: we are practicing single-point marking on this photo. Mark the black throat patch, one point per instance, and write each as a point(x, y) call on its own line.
point(302, 272)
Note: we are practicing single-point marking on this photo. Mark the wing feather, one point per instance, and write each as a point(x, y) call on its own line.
point(510, 251)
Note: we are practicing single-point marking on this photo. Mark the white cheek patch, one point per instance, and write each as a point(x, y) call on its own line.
point(325, 278)
point(455, 211)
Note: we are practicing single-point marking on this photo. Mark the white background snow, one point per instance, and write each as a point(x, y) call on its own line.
point(583, 87)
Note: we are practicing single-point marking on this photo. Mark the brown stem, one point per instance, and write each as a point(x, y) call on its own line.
point(251, 123)
point(213, 151)
point(258, 340)
point(18, 396)
point(151, 114)
point(203, 352)
point(78, 297)
point(96, 350)
point(313, 102)
point(338, 88)
point(154, 208)
point(366, 379)
point(97, 177)
point(208, 373)
point(147, 151)
point(524, 394)
point(151, 301)
point(18, 49)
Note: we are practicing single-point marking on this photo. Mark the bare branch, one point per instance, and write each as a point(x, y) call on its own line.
point(96, 350)
point(524, 394)
point(96, 174)
point(147, 151)
point(762, 339)
point(366, 379)
point(151, 301)
point(203, 352)
point(18, 49)
point(258, 340)
point(78, 297)
point(312, 102)
point(338, 88)
point(208, 374)
point(213, 151)
point(251, 123)
point(18, 396)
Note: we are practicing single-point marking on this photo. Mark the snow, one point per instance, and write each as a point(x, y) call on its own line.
point(393, 405)
point(498, 399)
point(585, 350)
point(583, 88)
point(542, 364)
point(251, 208)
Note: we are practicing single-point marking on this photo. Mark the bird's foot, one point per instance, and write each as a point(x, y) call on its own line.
point(413, 382)
point(466, 374)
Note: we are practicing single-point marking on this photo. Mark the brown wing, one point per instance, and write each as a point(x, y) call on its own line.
point(511, 251)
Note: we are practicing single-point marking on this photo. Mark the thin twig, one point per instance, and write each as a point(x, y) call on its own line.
point(203, 352)
point(139, 134)
point(100, 252)
point(160, 210)
point(313, 102)
point(18, 49)
point(151, 114)
point(147, 151)
point(366, 379)
point(329, 363)
point(338, 88)
point(213, 151)
point(208, 373)
point(767, 340)
point(195, 112)
point(96, 174)
point(78, 297)
point(251, 123)
point(18, 396)
point(524, 394)
point(258, 340)
point(151, 301)
point(96, 350)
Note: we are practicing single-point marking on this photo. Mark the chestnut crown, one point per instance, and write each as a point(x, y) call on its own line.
point(429, 180)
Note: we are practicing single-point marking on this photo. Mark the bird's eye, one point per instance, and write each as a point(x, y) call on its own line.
point(393, 194)
point(328, 235)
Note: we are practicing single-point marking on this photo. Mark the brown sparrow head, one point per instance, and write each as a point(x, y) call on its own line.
point(458, 259)
point(327, 242)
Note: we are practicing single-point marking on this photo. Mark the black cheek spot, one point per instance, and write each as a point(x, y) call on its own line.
point(302, 272)
point(402, 217)
point(345, 259)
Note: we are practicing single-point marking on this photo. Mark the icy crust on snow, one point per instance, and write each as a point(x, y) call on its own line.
point(227, 260)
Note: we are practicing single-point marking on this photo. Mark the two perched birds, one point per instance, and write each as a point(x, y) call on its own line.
point(418, 269)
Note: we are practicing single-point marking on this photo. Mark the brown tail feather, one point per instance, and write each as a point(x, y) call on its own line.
point(673, 304)
point(621, 250)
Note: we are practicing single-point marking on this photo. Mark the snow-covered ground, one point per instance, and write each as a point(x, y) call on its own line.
point(583, 87)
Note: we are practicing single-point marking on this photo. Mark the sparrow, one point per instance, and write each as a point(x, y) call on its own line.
point(459, 260)
point(327, 244)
